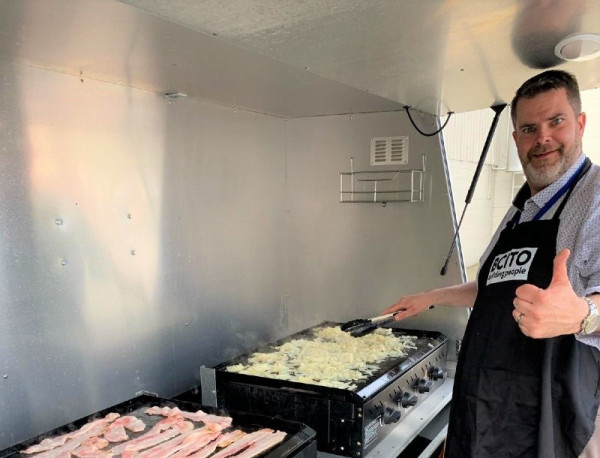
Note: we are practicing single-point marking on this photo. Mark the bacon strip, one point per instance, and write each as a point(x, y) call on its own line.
point(95, 428)
point(165, 449)
point(51, 443)
point(162, 431)
point(262, 445)
point(91, 447)
point(48, 444)
point(230, 438)
point(222, 441)
point(224, 422)
point(116, 430)
point(206, 451)
point(244, 442)
point(196, 442)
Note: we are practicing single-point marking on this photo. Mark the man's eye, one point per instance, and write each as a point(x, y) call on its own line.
point(528, 130)
point(556, 121)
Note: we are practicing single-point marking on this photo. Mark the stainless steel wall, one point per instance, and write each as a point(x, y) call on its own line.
point(141, 239)
point(355, 259)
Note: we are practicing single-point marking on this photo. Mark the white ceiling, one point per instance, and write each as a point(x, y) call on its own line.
point(435, 55)
point(295, 58)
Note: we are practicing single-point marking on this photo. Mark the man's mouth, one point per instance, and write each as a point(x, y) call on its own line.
point(540, 155)
point(544, 154)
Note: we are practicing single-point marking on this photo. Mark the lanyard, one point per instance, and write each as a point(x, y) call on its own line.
point(565, 188)
point(559, 193)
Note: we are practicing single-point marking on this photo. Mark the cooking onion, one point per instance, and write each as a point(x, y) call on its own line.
point(332, 358)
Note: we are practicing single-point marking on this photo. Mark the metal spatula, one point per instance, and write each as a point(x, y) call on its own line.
point(364, 326)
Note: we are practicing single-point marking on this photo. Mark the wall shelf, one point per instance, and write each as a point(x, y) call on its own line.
point(382, 186)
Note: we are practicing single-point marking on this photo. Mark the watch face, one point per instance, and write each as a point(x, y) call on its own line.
point(591, 324)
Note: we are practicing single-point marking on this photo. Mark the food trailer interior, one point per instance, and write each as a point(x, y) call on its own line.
point(184, 181)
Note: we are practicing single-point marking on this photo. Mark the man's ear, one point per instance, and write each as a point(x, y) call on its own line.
point(581, 122)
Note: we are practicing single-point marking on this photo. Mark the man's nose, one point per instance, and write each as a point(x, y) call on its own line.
point(543, 135)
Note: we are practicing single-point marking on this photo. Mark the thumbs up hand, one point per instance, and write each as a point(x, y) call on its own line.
point(554, 311)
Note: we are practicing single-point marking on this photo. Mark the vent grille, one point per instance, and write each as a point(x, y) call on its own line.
point(389, 150)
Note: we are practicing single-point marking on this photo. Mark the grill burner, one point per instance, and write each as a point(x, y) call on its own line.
point(347, 422)
point(299, 442)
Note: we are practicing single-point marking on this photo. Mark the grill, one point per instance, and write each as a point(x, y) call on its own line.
point(299, 442)
point(347, 422)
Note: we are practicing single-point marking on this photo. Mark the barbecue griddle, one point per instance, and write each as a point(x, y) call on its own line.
point(299, 443)
point(426, 342)
point(348, 422)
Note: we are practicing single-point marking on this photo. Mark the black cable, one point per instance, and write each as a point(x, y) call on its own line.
point(450, 113)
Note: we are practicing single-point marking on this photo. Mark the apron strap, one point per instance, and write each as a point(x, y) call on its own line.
point(580, 173)
point(525, 193)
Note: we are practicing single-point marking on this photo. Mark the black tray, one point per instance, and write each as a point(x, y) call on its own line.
point(299, 441)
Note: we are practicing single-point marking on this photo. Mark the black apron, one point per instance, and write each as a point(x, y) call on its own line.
point(515, 396)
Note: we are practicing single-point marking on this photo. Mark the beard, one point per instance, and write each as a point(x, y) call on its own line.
point(545, 173)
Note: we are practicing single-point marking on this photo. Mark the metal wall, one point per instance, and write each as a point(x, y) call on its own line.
point(141, 239)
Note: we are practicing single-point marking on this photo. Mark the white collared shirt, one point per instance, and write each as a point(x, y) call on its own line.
point(579, 230)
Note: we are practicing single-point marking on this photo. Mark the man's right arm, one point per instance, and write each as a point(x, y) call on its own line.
point(462, 295)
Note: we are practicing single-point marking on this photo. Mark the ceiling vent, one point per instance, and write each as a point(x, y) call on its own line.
point(389, 150)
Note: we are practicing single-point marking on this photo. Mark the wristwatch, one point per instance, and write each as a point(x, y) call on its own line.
point(591, 321)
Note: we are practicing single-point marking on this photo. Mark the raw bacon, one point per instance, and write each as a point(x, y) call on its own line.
point(195, 442)
point(172, 437)
point(165, 449)
point(244, 442)
point(205, 451)
point(89, 430)
point(53, 442)
point(204, 417)
point(116, 430)
point(183, 445)
point(230, 438)
point(262, 445)
point(167, 423)
point(162, 431)
point(91, 447)
point(48, 444)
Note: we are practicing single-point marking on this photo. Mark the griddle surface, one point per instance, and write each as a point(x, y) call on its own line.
point(426, 342)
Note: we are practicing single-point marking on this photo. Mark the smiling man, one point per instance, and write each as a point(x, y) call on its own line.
point(527, 382)
point(548, 131)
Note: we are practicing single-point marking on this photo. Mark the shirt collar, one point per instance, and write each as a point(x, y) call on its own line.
point(548, 192)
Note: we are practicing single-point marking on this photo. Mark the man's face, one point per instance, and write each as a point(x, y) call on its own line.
point(548, 137)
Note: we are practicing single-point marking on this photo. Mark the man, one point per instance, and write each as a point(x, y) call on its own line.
point(527, 381)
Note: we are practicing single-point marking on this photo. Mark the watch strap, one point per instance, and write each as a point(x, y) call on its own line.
point(591, 318)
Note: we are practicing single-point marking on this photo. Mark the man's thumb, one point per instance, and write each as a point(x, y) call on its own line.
point(560, 266)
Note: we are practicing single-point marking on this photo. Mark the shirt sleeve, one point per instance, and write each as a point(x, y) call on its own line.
point(586, 257)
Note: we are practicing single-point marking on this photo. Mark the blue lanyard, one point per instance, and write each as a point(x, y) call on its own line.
point(558, 194)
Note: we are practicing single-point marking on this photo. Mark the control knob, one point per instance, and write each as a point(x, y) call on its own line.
point(391, 415)
point(424, 385)
point(437, 373)
point(409, 399)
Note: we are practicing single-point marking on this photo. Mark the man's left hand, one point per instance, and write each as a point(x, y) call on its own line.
point(550, 312)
